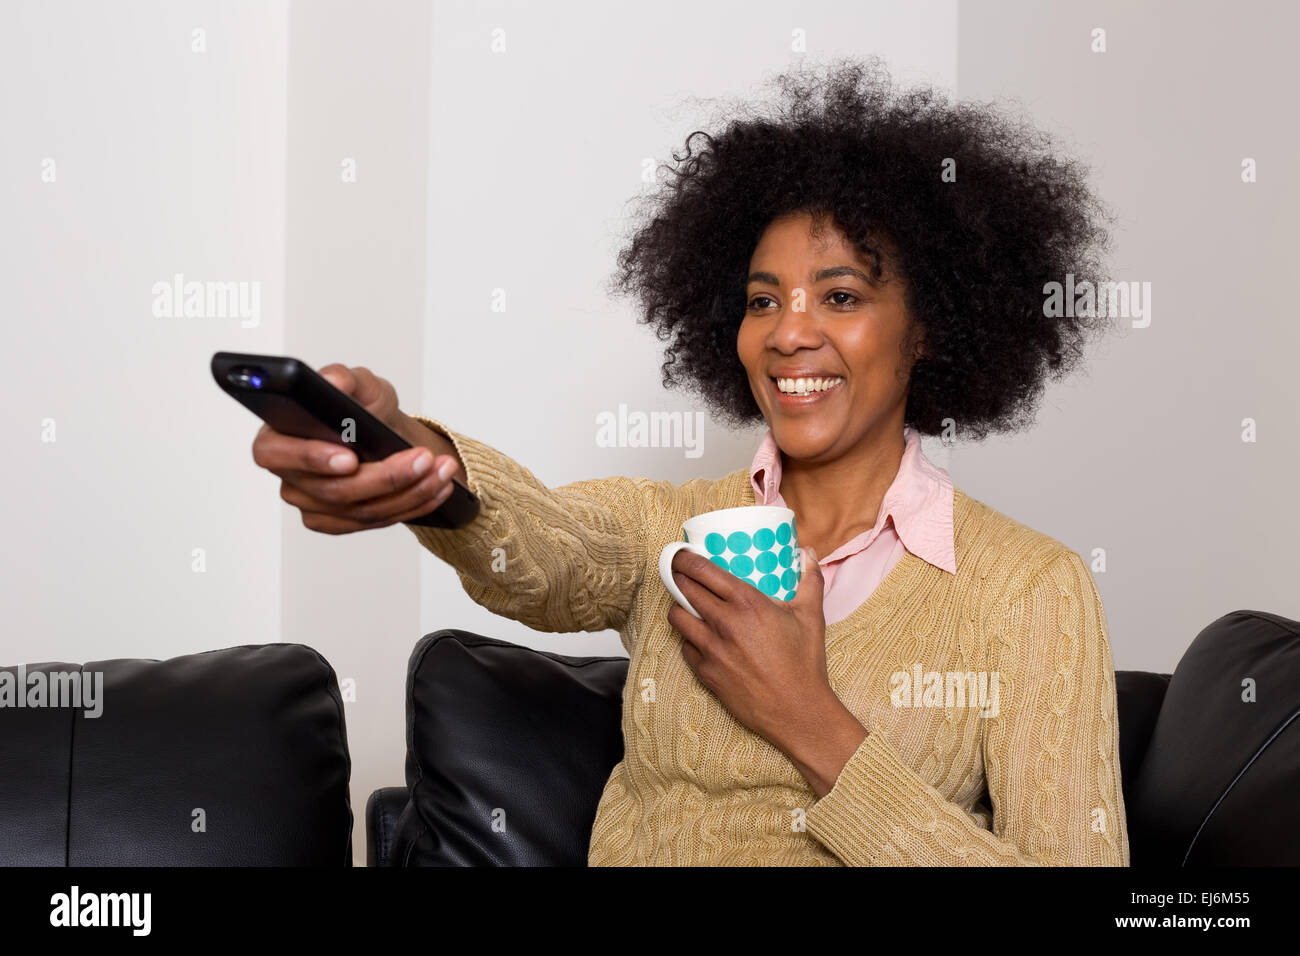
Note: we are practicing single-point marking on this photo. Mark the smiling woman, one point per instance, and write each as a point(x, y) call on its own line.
point(856, 270)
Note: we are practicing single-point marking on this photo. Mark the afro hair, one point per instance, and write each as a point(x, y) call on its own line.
point(972, 209)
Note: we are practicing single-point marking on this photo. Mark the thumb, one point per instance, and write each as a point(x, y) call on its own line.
point(811, 581)
point(340, 376)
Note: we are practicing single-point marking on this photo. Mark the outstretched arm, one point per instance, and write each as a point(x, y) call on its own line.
point(556, 559)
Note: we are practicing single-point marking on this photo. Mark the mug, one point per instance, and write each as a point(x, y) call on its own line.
point(756, 543)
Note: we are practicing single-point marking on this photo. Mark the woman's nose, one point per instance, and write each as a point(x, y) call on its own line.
point(794, 325)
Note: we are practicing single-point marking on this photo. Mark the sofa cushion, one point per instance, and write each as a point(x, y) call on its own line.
point(234, 757)
point(1139, 696)
point(1219, 781)
point(508, 751)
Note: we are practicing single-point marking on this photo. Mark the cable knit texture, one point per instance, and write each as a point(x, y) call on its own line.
point(1030, 776)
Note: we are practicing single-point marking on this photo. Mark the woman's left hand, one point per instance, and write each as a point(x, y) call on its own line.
point(764, 659)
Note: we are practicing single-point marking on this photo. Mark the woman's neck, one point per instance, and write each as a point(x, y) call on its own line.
point(837, 500)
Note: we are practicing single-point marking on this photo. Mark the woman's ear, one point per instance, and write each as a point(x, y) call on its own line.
point(915, 339)
point(920, 350)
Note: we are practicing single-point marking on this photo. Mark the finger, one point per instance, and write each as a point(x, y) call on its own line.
point(331, 524)
point(723, 584)
point(812, 582)
point(699, 634)
point(366, 518)
point(340, 376)
point(375, 479)
point(710, 605)
point(419, 499)
point(277, 452)
point(375, 393)
point(691, 655)
point(423, 507)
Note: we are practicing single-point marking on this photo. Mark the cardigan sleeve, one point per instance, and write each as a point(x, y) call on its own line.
point(560, 559)
point(1051, 753)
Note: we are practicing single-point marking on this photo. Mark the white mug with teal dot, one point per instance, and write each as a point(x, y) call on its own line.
point(757, 544)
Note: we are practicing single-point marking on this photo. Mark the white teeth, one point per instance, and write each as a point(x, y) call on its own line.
point(803, 386)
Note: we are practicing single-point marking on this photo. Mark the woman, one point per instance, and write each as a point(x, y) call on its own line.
point(858, 270)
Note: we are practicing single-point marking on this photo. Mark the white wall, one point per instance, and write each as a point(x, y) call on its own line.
point(165, 161)
point(535, 153)
point(1141, 456)
point(358, 92)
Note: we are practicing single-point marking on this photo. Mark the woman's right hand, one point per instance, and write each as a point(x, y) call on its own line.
point(338, 495)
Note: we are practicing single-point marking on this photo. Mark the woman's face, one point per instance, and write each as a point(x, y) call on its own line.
point(812, 312)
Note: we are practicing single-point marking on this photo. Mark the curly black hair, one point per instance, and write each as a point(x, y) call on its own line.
point(974, 253)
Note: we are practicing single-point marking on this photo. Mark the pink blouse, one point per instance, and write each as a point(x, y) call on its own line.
point(915, 515)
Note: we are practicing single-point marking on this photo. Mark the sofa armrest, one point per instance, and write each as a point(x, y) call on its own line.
point(382, 811)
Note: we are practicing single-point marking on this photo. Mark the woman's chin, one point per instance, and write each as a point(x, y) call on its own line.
point(805, 441)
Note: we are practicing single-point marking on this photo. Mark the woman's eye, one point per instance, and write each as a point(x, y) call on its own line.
point(755, 302)
point(849, 298)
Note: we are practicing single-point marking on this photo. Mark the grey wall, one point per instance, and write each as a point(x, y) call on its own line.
point(354, 291)
point(165, 160)
point(1142, 454)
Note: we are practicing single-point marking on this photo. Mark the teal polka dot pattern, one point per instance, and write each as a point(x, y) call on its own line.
point(742, 565)
point(763, 558)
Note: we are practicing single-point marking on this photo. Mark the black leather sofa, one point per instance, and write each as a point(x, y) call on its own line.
point(235, 757)
point(239, 757)
point(1210, 775)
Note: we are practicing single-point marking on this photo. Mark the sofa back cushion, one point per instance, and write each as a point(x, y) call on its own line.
point(508, 751)
point(1219, 783)
point(235, 757)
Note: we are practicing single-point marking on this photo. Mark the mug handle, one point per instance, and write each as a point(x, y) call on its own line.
point(666, 572)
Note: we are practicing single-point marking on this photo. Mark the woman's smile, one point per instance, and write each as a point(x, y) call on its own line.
point(803, 393)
